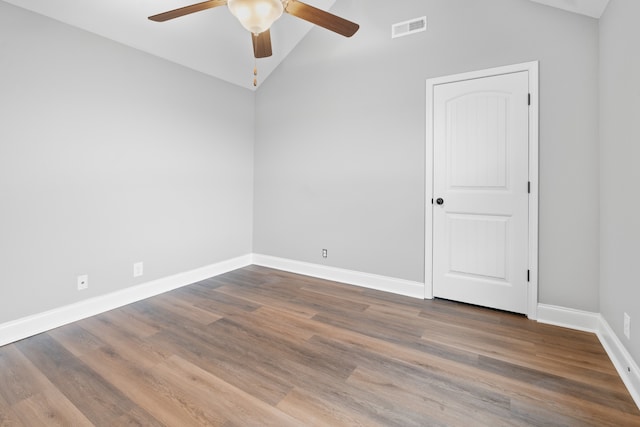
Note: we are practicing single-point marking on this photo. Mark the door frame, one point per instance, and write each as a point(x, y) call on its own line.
point(532, 69)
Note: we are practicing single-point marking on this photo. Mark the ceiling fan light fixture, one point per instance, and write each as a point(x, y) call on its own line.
point(256, 15)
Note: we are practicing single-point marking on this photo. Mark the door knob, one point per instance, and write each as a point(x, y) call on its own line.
point(439, 201)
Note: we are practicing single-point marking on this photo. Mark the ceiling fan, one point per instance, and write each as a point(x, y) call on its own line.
point(258, 15)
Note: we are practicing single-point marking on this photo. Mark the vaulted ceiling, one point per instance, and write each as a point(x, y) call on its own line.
point(592, 8)
point(212, 41)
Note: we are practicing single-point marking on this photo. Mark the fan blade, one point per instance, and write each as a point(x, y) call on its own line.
point(320, 17)
point(176, 13)
point(262, 44)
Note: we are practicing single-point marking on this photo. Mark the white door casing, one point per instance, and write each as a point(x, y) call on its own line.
point(482, 143)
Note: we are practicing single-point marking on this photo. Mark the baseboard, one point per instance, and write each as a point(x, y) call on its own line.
point(351, 277)
point(594, 322)
point(42, 322)
point(568, 318)
point(625, 365)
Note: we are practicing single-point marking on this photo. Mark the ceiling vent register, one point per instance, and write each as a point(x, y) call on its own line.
point(411, 26)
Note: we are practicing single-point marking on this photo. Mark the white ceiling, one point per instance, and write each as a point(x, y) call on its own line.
point(592, 8)
point(212, 41)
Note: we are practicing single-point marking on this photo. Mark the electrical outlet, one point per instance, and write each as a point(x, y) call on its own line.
point(138, 269)
point(83, 282)
point(627, 326)
point(324, 253)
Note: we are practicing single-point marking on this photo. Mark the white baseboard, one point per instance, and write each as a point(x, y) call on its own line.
point(594, 322)
point(42, 322)
point(625, 365)
point(366, 280)
point(568, 318)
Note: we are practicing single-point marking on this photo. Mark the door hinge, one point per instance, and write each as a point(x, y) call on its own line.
point(529, 99)
point(528, 275)
point(529, 187)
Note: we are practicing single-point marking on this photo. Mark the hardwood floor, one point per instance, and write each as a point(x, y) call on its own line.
point(260, 347)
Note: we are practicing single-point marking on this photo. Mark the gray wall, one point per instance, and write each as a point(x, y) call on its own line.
point(340, 158)
point(109, 156)
point(620, 169)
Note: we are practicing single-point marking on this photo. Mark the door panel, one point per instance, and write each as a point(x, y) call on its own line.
point(481, 246)
point(480, 231)
point(478, 156)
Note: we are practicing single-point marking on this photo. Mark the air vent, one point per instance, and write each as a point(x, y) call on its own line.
point(409, 27)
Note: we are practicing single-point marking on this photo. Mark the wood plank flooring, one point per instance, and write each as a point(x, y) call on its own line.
point(260, 347)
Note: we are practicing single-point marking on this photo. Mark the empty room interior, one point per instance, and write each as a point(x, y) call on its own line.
point(412, 217)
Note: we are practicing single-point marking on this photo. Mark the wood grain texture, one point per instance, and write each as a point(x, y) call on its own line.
point(321, 18)
point(261, 347)
point(187, 10)
point(262, 44)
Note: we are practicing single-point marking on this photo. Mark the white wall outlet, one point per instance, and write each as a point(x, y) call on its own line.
point(627, 326)
point(83, 282)
point(138, 269)
point(324, 253)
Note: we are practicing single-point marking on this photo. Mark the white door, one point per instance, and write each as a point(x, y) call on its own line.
point(480, 189)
